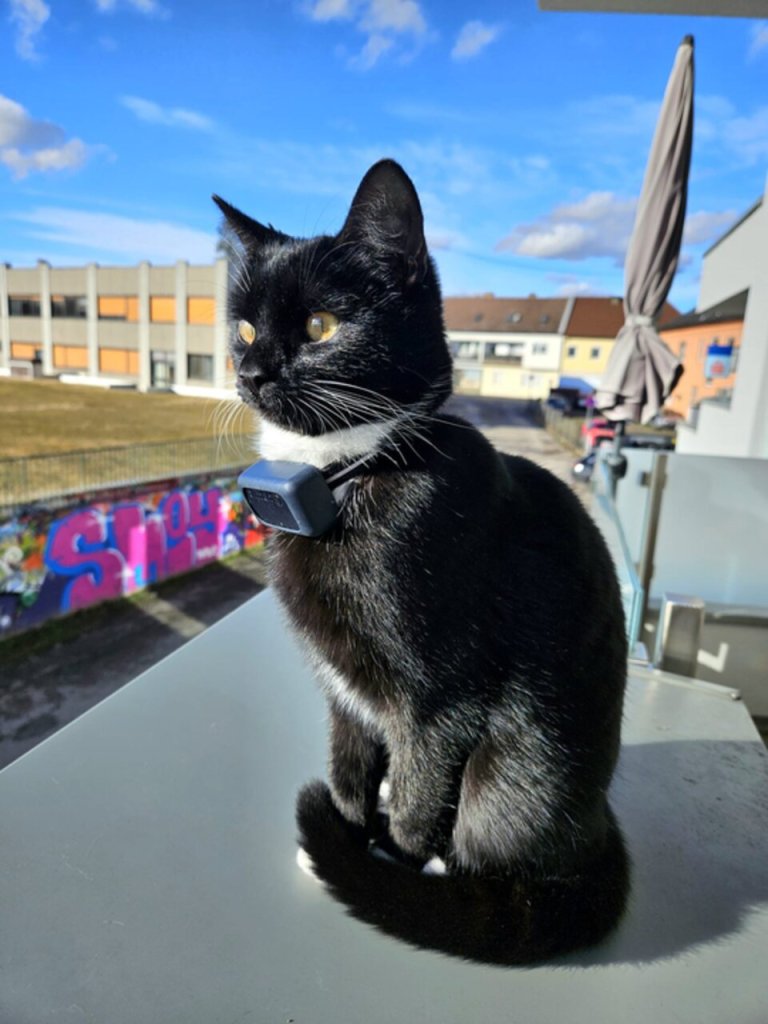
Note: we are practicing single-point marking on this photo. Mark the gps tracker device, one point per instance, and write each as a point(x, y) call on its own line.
point(293, 496)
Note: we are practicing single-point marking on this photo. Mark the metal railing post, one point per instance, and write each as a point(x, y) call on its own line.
point(645, 566)
point(678, 634)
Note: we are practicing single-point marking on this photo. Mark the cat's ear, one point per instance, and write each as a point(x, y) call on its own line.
point(252, 234)
point(386, 215)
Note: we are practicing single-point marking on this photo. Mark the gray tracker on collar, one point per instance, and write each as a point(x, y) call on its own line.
point(295, 497)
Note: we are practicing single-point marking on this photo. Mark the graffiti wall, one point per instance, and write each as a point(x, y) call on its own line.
point(54, 563)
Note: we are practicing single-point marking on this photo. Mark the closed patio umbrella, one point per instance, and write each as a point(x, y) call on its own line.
point(642, 371)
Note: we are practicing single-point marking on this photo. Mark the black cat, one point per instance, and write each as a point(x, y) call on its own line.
point(462, 614)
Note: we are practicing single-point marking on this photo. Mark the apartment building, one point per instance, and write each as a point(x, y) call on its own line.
point(145, 326)
point(707, 343)
point(506, 347)
point(521, 348)
point(151, 326)
point(589, 336)
point(734, 421)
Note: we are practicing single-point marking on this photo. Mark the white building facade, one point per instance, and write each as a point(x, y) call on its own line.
point(738, 261)
point(144, 326)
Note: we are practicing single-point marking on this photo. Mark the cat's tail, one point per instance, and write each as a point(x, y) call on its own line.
point(492, 920)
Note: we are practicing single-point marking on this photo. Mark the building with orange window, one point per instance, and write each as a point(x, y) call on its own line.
point(707, 343)
point(145, 326)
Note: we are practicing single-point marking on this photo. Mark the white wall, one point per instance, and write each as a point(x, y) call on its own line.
point(739, 261)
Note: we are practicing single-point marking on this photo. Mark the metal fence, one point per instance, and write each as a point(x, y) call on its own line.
point(36, 478)
point(567, 429)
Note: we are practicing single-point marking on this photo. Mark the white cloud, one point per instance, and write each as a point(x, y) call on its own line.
point(28, 145)
point(149, 7)
point(383, 22)
point(332, 10)
point(399, 16)
point(376, 45)
point(616, 115)
point(147, 110)
point(703, 227)
point(68, 157)
point(570, 284)
point(730, 138)
point(758, 39)
point(598, 225)
point(112, 235)
point(28, 16)
point(473, 38)
point(747, 136)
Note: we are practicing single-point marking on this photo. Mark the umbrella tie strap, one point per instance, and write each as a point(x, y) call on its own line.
point(638, 320)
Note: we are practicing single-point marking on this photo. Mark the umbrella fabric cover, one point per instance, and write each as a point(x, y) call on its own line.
point(642, 371)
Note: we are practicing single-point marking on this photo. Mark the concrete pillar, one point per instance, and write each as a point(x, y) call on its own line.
point(45, 316)
point(180, 373)
point(5, 320)
point(145, 375)
point(220, 323)
point(92, 319)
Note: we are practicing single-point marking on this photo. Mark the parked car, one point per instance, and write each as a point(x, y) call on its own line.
point(596, 430)
point(585, 466)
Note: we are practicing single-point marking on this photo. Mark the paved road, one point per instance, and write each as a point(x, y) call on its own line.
point(81, 660)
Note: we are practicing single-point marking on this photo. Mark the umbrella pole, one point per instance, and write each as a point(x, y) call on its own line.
point(617, 463)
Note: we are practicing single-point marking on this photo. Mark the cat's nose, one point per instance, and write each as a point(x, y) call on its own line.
point(252, 379)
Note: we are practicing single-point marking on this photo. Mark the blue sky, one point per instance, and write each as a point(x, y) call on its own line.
point(525, 132)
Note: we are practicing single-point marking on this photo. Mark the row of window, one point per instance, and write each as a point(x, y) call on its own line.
point(512, 318)
point(594, 353)
point(118, 361)
point(703, 345)
point(162, 308)
point(511, 350)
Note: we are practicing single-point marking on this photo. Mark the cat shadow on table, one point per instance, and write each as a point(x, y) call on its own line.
point(695, 818)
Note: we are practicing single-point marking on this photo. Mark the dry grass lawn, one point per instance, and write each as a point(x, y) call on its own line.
point(45, 417)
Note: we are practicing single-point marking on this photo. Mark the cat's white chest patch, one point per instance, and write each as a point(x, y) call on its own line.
point(325, 449)
point(338, 689)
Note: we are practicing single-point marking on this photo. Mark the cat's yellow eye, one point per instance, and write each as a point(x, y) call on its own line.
point(322, 326)
point(246, 332)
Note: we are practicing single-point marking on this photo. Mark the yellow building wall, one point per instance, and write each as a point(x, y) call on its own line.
point(583, 361)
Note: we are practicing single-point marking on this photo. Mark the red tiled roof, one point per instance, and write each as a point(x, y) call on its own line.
point(591, 316)
point(490, 313)
point(602, 317)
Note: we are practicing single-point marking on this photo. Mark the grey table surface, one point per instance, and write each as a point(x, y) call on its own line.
point(147, 871)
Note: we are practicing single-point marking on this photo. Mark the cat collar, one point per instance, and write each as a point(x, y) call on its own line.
point(295, 497)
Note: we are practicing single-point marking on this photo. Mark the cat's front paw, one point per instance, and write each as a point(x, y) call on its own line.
point(435, 866)
point(306, 864)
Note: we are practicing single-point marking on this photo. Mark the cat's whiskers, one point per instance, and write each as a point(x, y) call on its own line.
point(295, 405)
point(381, 401)
point(333, 411)
point(367, 403)
point(224, 419)
point(344, 405)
